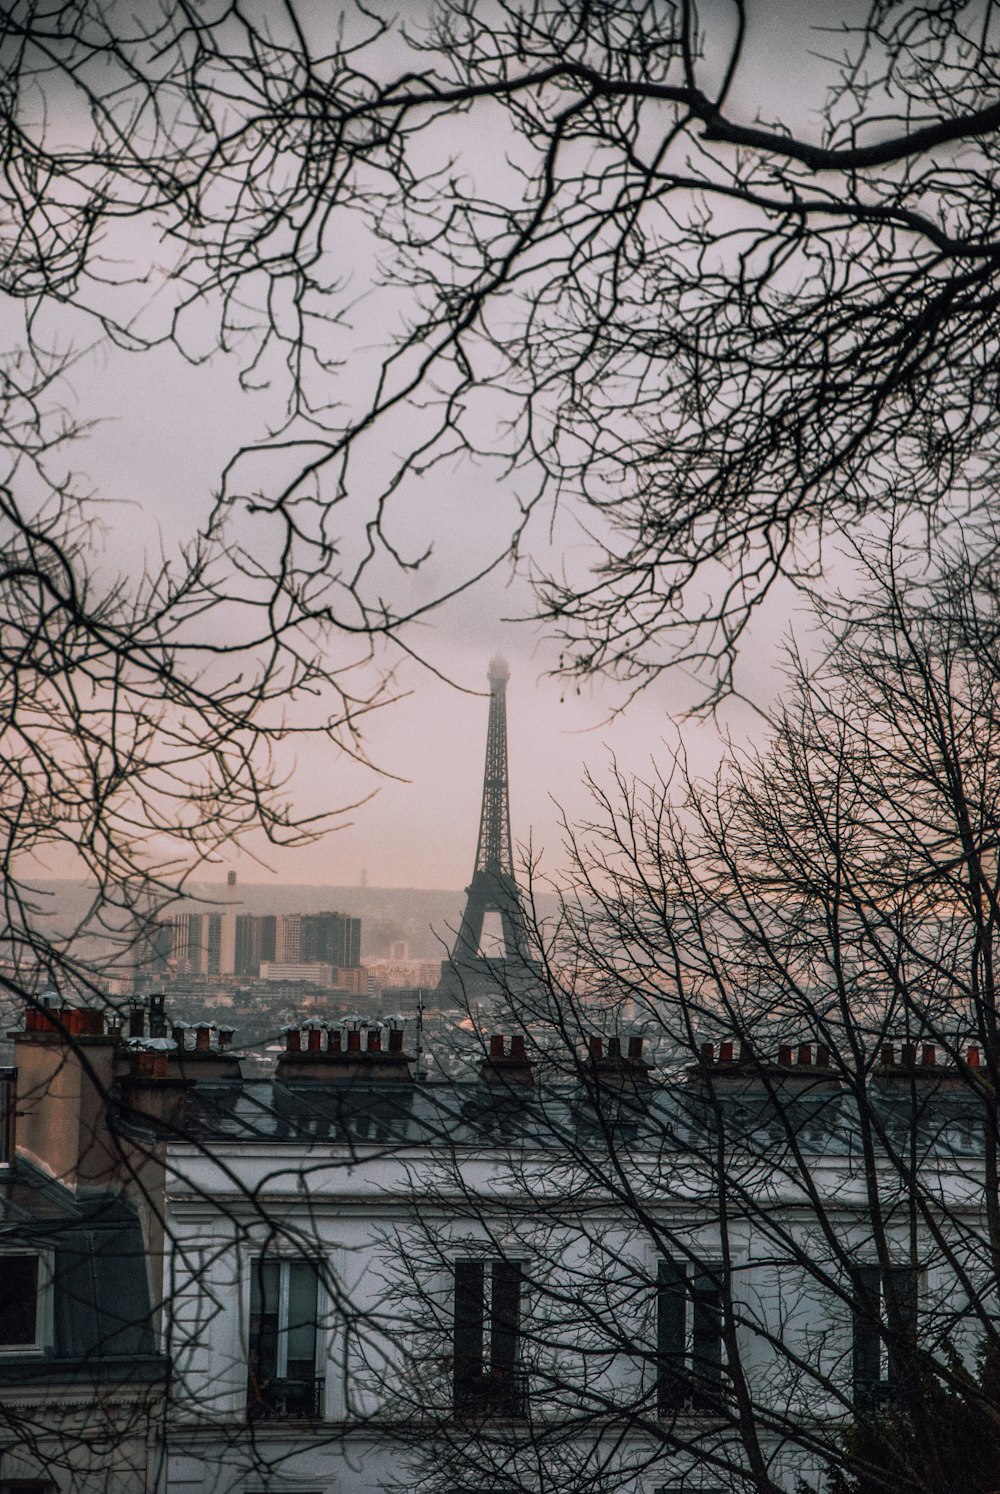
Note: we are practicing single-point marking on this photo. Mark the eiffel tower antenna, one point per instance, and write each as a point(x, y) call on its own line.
point(493, 888)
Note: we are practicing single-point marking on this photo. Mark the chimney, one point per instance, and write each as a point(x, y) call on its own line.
point(154, 1089)
point(208, 1060)
point(65, 1074)
point(502, 1067)
point(617, 1071)
point(357, 1062)
point(157, 1015)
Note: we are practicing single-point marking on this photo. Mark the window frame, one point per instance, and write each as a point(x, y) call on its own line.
point(256, 1406)
point(42, 1340)
point(681, 1381)
point(494, 1380)
point(871, 1336)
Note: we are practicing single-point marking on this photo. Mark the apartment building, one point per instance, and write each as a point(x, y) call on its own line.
point(566, 1269)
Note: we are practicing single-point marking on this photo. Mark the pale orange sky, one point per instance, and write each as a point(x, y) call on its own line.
point(167, 431)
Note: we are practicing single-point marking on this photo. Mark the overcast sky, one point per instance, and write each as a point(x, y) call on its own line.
point(165, 429)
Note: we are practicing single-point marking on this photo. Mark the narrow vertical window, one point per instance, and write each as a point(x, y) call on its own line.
point(671, 1337)
point(19, 1301)
point(282, 1369)
point(688, 1337)
point(884, 1330)
point(486, 1347)
point(468, 1332)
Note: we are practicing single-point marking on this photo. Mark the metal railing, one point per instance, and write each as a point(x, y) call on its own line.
point(503, 1395)
point(284, 1400)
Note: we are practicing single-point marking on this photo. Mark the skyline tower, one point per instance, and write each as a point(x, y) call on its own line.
point(493, 888)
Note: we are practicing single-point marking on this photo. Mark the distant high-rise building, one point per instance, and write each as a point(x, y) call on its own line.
point(246, 956)
point(227, 943)
point(232, 943)
point(332, 938)
point(288, 939)
point(267, 933)
point(212, 923)
point(190, 943)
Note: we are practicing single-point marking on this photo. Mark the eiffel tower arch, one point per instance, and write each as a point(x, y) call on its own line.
point(493, 888)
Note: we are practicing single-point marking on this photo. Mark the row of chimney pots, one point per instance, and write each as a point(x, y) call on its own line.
point(318, 1037)
point(801, 1055)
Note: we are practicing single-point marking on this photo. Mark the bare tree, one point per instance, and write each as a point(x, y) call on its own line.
point(596, 252)
point(775, 1257)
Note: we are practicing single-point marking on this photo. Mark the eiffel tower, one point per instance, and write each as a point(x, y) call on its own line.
point(493, 889)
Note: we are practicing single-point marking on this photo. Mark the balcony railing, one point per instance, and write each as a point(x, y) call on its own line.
point(284, 1400)
point(501, 1395)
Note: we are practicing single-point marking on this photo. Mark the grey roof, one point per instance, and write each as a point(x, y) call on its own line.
point(822, 1119)
point(101, 1317)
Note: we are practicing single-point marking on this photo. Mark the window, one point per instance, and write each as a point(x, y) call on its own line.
point(688, 1337)
point(487, 1339)
point(21, 1302)
point(284, 1341)
point(885, 1330)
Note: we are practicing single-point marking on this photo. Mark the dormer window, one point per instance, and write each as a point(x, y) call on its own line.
point(23, 1299)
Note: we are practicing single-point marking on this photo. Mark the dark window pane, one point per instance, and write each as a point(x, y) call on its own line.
point(302, 1303)
point(18, 1299)
point(505, 1317)
point(900, 1295)
point(265, 1280)
point(468, 1329)
point(706, 1325)
point(867, 1331)
point(671, 1324)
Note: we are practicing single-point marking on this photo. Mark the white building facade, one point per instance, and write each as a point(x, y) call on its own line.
point(583, 1280)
